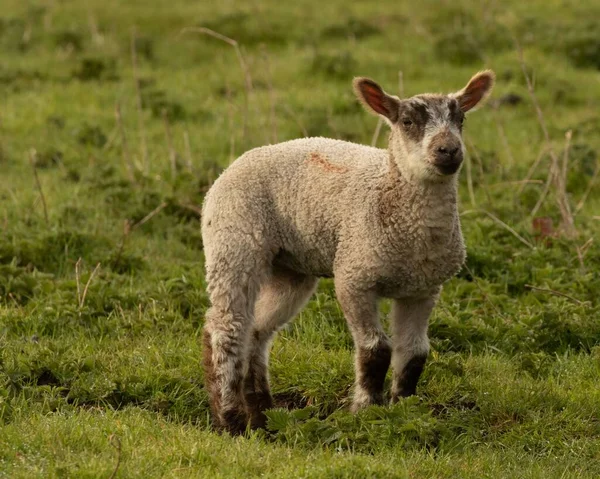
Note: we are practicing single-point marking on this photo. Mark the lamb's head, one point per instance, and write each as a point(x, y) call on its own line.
point(426, 130)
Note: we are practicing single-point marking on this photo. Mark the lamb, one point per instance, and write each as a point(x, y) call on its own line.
point(383, 223)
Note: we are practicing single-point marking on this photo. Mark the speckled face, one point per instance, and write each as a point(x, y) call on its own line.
point(431, 126)
point(426, 140)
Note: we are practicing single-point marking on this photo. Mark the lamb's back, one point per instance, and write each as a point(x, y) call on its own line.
point(301, 195)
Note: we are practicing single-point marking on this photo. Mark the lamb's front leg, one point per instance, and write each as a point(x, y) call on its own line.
point(410, 319)
point(373, 350)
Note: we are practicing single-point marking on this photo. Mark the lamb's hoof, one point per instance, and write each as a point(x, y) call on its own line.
point(233, 421)
point(258, 420)
point(377, 400)
point(258, 403)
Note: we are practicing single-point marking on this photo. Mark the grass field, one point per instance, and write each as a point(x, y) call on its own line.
point(114, 120)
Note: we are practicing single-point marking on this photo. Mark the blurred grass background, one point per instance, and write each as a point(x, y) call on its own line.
point(115, 117)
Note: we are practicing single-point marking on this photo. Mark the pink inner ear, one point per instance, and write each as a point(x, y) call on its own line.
point(374, 97)
point(475, 91)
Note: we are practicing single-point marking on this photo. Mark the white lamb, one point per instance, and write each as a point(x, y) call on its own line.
point(382, 223)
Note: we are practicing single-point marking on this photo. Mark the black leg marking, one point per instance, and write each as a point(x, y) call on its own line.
point(373, 364)
point(410, 376)
point(258, 403)
point(234, 421)
point(258, 395)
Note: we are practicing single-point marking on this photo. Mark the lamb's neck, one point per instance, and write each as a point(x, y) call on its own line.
point(408, 203)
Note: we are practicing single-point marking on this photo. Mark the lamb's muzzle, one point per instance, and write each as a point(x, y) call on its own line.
point(381, 222)
point(447, 152)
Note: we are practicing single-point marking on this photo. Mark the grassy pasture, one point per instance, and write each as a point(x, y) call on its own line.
point(114, 121)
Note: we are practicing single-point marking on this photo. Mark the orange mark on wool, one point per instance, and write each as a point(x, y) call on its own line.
point(321, 161)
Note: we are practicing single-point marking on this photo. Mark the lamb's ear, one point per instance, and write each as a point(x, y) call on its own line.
point(477, 90)
point(372, 96)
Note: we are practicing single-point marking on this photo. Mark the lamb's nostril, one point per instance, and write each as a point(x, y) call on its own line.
point(448, 152)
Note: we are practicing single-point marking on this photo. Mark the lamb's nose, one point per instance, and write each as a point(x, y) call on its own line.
point(450, 152)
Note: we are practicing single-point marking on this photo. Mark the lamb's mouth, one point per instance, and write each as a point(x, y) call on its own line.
point(448, 168)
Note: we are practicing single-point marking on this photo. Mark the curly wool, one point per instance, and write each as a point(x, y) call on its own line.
point(322, 206)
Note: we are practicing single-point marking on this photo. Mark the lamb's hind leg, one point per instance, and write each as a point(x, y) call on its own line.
point(373, 350)
point(227, 332)
point(280, 299)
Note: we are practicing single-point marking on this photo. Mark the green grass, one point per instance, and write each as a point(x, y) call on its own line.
point(114, 381)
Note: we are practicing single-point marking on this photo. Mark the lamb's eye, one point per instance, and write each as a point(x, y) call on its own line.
point(407, 122)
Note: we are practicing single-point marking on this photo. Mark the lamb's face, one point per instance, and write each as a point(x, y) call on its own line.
point(426, 139)
point(427, 134)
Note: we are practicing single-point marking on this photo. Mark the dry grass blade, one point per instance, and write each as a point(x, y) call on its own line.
point(554, 175)
point(97, 37)
point(172, 152)
point(138, 94)
point(470, 181)
point(562, 183)
point(376, 132)
point(581, 252)
point(272, 116)
point(533, 168)
point(77, 281)
point(241, 60)
point(331, 123)
point(124, 144)
point(483, 293)
point(503, 137)
point(230, 41)
point(116, 443)
point(188, 151)
point(380, 121)
point(555, 293)
point(128, 228)
point(531, 91)
point(588, 190)
point(501, 223)
point(480, 167)
point(401, 83)
point(87, 285)
point(586, 246)
point(193, 208)
point(230, 118)
point(568, 136)
point(294, 117)
point(149, 216)
point(32, 154)
point(542, 197)
point(517, 182)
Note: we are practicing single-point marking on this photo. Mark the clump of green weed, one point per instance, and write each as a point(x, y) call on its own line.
point(352, 27)
point(340, 64)
point(48, 158)
point(91, 135)
point(144, 47)
point(12, 32)
point(459, 36)
point(582, 44)
point(536, 364)
point(249, 29)
point(18, 284)
point(96, 69)
point(21, 80)
point(407, 424)
point(53, 251)
point(69, 39)
point(583, 161)
point(160, 105)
